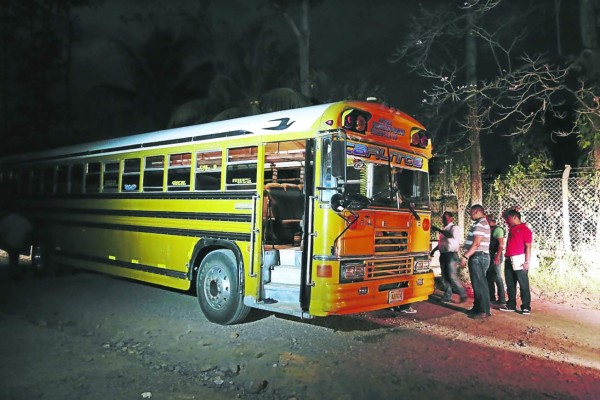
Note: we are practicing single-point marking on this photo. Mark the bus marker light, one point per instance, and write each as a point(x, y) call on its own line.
point(426, 224)
point(133, 261)
point(329, 122)
point(324, 271)
point(420, 282)
point(363, 290)
point(112, 257)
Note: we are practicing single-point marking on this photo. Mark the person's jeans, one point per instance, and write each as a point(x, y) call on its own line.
point(494, 280)
point(450, 281)
point(478, 266)
point(512, 278)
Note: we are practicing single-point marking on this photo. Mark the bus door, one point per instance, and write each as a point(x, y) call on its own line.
point(287, 189)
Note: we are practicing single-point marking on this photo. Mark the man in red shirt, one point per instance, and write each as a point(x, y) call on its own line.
point(516, 266)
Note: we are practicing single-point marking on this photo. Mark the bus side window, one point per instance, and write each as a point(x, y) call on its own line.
point(62, 179)
point(48, 180)
point(180, 168)
point(154, 172)
point(77, 178)
point(241, 168)
point(92, 178)
point(131, 175)
point(111, 177)
point(23, 178)
point(35, 185)
point(208, 170)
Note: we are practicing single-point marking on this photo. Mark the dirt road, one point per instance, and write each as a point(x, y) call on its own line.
point(88, 336)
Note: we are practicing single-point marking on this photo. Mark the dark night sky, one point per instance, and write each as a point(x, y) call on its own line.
point(351, 42)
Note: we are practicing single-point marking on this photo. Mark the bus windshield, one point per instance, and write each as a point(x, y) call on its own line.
point(388, 186)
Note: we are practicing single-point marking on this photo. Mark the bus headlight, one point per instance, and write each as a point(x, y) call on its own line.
point(352, 272)
point(421, 266)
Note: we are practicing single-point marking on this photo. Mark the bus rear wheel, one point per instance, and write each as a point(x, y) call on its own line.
point(218, 289)
point(41, 259)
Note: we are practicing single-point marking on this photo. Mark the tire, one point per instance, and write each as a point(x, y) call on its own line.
point(218, 289)
point(41, 260)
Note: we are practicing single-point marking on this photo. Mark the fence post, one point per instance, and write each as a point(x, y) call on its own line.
point(565, 209)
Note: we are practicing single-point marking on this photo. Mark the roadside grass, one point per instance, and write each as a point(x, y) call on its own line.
point(572, 278)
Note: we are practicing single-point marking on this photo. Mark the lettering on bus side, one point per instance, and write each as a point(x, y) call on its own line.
point(379, 153)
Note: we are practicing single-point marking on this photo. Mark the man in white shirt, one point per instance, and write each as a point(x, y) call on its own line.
point(448, 245)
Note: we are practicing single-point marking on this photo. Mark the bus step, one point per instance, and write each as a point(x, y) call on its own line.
point(282, 292)
point(289, 274)
point(291, 256)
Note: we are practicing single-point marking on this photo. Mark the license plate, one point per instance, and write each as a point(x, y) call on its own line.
point(395, 295)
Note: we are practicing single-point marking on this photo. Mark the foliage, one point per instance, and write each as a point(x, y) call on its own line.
point(562, 277)
point(248, 83)
point(160, 73)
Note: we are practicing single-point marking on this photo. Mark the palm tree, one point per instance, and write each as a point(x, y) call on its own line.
point(250, 83)
point(161, 74)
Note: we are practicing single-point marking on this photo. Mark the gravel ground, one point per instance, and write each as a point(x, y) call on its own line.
point(89, 336)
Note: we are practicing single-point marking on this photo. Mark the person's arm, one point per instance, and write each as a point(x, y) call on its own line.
point(434, 250)
point(447, 234)
point(527, 256)
point(500, 250)
point(476, 242)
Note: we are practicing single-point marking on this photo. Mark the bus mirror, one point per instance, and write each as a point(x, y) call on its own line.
point(338, 152)
point(349, 201)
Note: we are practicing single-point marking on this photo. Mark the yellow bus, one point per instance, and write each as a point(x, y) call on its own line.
point(315, 211)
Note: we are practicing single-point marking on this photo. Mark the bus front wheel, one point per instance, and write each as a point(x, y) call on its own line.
point(218, 289)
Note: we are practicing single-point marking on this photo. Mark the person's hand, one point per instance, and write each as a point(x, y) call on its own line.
point(525, 266)
point(463, 262)
point(497, 259)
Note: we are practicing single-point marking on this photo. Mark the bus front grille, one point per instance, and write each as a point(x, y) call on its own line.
point(391, 242)
point(387, 268)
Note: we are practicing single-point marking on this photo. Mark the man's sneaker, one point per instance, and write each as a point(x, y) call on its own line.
point(408, 310)
point(480, 316)
point(526, 311)
point(505, 308)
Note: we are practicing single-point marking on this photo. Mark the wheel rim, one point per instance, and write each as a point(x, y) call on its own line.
point(37, 257)
point(217, 287)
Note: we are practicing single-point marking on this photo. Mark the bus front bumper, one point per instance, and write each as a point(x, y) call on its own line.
point(350, 298)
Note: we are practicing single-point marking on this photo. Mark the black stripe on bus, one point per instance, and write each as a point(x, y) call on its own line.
point(140, 146)
point(152, 196)
point(197, 216)
point(124, 264)
point(231, 236)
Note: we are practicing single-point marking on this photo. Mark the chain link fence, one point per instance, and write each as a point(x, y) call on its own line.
point(562, 208)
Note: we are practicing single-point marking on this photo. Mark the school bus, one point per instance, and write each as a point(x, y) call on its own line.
point(315, 211)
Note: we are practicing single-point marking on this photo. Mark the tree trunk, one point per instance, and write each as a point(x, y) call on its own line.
point(302, 34)
point(473, 124)
point(588, 14)
point(566, 233)
point(304, 44)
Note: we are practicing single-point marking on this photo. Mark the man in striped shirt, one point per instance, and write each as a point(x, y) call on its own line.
point(477, 255)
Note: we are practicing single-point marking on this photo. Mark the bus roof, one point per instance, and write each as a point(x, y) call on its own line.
point(288, 121)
